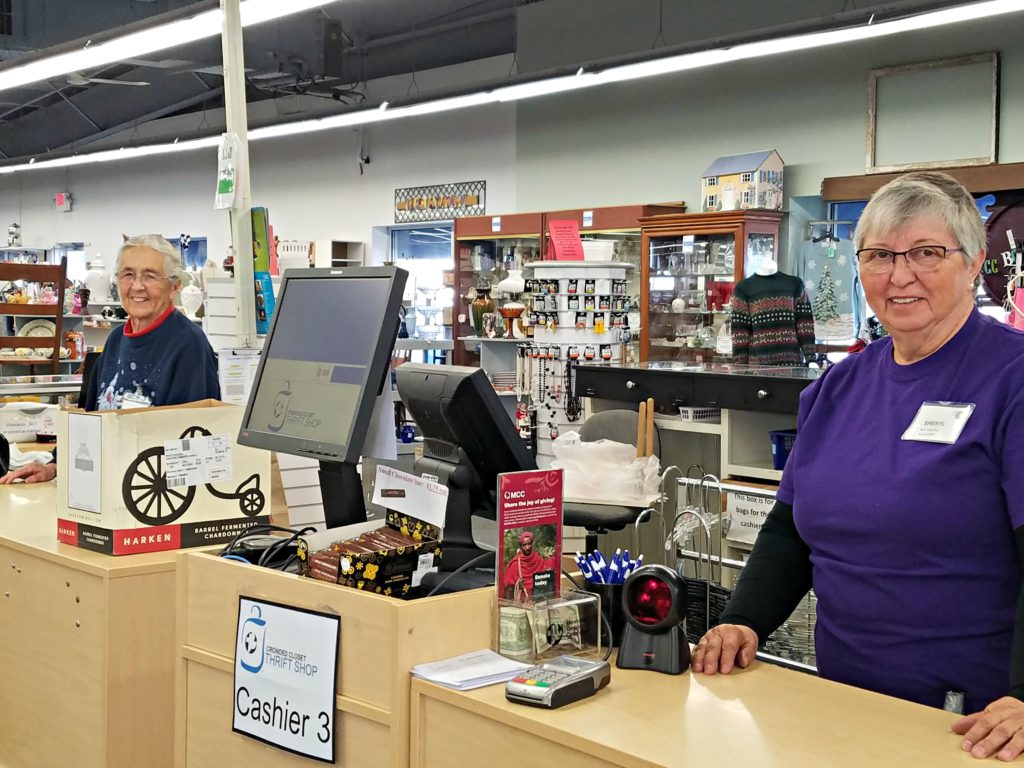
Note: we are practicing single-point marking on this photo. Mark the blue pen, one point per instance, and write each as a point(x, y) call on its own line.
point(585, 569)
point(613, 573)
point(599, 559)
point(600, 577)
point(625, 557)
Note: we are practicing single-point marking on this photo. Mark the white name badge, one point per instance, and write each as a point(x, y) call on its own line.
point(939, 422)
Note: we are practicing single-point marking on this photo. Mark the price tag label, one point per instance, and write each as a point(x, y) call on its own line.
point(197, 460)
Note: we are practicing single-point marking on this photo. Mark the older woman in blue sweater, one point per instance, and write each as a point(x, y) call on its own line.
point(158, 357)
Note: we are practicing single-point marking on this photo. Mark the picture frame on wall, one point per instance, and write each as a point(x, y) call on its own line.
point(911, 124)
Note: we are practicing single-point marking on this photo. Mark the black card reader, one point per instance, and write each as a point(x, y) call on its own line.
point(558, 682)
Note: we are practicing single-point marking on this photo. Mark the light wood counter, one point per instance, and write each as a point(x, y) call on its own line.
point(764, 716)
point(382, 638)
point(89, 643)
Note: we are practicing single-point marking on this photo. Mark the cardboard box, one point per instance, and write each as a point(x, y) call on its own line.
point(151, 479)
point(21, 422)
point(395, 572)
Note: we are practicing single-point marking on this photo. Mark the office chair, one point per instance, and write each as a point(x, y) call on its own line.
point(88, 372)
point(620, 426)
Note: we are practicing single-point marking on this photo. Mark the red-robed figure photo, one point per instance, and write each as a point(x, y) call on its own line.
point(518, 581)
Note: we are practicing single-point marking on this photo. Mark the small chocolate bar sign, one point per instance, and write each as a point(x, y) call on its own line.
point(392, 493)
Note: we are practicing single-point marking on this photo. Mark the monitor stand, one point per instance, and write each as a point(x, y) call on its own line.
point(457, 542)
point(459, 549)
point(342, 491)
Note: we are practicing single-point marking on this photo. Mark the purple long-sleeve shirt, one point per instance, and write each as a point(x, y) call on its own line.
point(914, 559)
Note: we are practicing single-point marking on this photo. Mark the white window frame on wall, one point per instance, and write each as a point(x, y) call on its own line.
point(711, 181)
point(711, 202)
point(746, 178)
point(746, 197)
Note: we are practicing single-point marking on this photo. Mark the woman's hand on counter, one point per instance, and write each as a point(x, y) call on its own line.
point(31, 473)
point(997, 730)
point(724, 647)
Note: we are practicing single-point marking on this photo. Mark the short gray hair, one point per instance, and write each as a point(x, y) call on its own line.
point(924, 193)
point(172, 257)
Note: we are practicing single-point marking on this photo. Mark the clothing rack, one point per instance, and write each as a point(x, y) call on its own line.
point(829, 225)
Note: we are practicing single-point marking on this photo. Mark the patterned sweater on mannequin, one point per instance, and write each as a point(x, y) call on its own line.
point(772, 323)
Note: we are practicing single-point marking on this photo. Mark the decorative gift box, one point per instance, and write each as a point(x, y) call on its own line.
point(150, 479)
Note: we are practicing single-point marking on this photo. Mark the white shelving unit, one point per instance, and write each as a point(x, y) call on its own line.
point(586, 343)
point(746, 447)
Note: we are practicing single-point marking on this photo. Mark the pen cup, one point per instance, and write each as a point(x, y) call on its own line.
point(611, 606)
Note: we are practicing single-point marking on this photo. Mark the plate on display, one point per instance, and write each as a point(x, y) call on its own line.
point(38, 328)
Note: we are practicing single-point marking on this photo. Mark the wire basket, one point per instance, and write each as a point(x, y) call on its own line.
point(705, 601)
point(688, 413)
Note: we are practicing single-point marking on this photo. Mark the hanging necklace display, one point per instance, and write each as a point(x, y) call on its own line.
point(572, 407)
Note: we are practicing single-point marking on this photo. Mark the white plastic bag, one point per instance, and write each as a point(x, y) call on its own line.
point(604, 471)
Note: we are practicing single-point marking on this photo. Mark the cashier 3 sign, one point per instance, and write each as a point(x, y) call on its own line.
point(286, 672)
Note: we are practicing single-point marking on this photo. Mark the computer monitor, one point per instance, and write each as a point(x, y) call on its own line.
point(324, 361)
point(468, 440)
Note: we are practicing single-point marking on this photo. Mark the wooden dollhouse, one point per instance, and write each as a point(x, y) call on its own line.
point(739, 182)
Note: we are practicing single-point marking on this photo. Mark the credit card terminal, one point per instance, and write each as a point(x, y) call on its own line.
point(557, 682)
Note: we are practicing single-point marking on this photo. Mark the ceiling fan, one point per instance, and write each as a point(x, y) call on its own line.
point(78, 79)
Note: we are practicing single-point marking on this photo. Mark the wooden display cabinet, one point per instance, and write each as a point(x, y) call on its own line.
point(693, 262)
point(486, 246)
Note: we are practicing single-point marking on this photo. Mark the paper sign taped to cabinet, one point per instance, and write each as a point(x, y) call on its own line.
point(747, 513)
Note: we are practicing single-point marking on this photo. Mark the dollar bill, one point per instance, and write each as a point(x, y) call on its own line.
point(539, 628)
point(515, 635)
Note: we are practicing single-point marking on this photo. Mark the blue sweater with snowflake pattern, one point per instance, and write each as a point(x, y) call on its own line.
point(169, 363)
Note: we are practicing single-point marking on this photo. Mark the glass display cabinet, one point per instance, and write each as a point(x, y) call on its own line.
point(694, 261)
point(487, 249)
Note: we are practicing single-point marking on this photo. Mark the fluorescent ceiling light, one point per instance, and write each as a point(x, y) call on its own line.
point(124, 153)
point(145, 41)
point(566, 83)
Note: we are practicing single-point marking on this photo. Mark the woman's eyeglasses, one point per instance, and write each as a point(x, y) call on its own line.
point(146, 278)
point(923, 258)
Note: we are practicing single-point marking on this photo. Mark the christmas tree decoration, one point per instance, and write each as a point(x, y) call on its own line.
point(825, 306)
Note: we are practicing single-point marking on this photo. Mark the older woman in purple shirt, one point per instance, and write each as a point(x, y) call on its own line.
point(902, 503)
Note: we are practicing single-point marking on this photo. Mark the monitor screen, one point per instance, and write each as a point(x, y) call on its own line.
point(324, 362)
